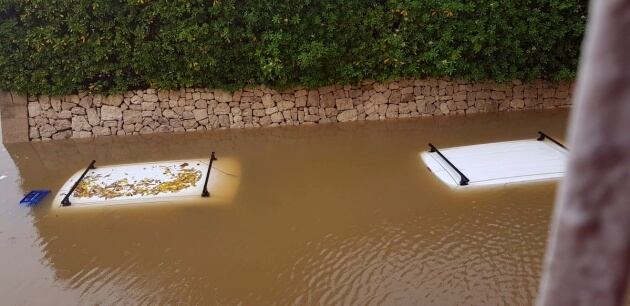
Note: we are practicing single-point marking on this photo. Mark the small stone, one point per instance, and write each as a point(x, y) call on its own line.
point(200, 114)
point(165, 129)
point(33, 133)
point(146, 130)
point(150, 97)
point(64, 114)
point(344, 104)
point(80, 123)
point(404, 108)
point(548, 93)
point(562, 94)
point(34, 109)
point(55, 104)
point(392, 111)
point(213, 121)
point(86, 102)
point(347, 115)
point(101, 131)
point(62, 135)
point(93, 117)
point(267, 101)
point(407, 91)
point(201, 104)
point(264, 121)
point(277, 117)
point(285, 105)
point(135, 100)
point(163, 95)
point(113, 100)
point(110, 113)
point(147, 106)
point(74, 99)
point(222, 109)
point(173, 95)
point(517, 103)
point(207, 96)
point(187, 115)
point(497, 95)
point(129, 128)
point(63, 124)
point(451, 105)
point(444, 108)
point(224, 120)
point(81, 134)
point(378, 98)
point(380, 87)
point(222, 96)
point(395, 97)
point(311, 118)
point(175, 122)
point(44, 102)
point(459, 96)
point(67, 105)
point(170, 114)
point(132, 116)
point(301, 101)
point(78, 111)
point(97, 100)
point(372, 117)
point(46, 130)
point(327, 100)
point(313, 98)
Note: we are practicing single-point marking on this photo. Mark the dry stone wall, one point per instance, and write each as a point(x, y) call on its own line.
point(152, 111)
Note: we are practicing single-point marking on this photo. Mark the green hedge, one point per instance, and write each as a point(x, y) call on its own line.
point(62, 46)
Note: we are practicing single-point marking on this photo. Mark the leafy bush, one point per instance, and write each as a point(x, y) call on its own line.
point(63, 46)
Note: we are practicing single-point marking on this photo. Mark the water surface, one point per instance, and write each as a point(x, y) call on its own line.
point(331, 214)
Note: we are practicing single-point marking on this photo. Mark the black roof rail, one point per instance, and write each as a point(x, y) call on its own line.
point(205, 192)
point(66, 199)
point(542, 136)
point(463, 179)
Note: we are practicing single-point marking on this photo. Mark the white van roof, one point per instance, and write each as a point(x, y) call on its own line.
point(498, 163)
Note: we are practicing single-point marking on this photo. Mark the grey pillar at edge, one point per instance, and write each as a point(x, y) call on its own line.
point(14, 117)
point(588, 258)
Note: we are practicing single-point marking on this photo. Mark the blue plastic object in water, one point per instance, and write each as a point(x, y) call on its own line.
point(34, 197)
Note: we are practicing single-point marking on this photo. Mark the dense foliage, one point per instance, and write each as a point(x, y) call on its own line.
point(62, 46)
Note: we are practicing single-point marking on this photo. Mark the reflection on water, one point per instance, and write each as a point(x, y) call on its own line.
point(334, 214)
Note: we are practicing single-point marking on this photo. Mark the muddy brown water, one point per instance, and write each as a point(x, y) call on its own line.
point(333, 215)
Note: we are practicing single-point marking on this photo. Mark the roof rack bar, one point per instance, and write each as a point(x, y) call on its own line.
point(66, 199)
point(542, 136)
point(205, 192)
point(463, 179)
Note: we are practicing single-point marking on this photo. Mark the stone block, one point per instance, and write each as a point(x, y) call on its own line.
point(222, 96)
point(109, 112)
point(344, 104)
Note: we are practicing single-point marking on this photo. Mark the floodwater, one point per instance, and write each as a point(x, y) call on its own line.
point(334, 214)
